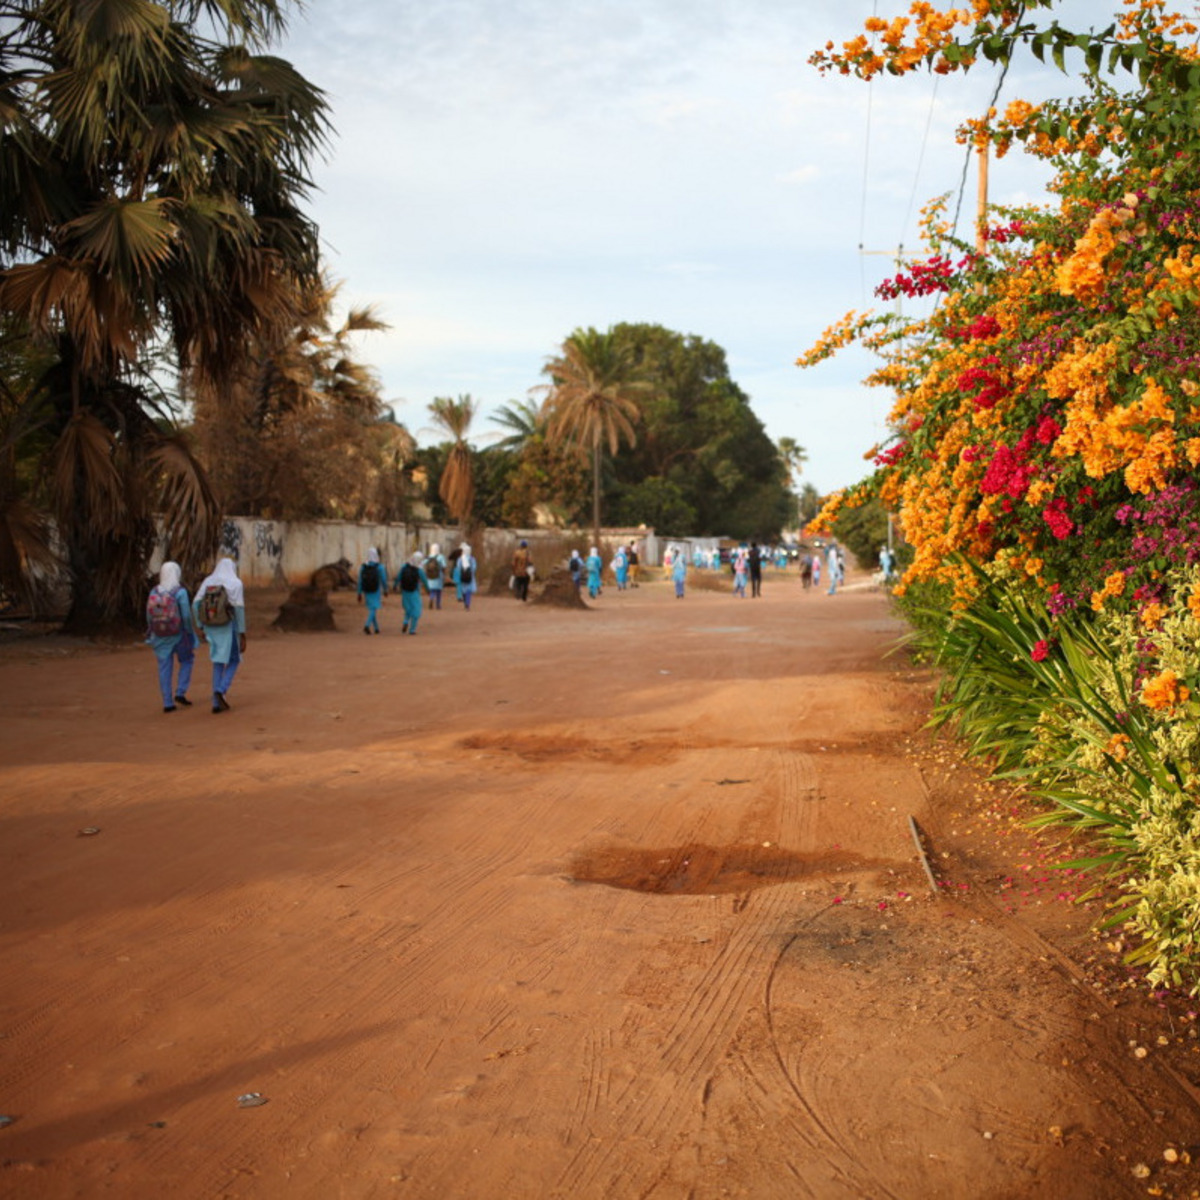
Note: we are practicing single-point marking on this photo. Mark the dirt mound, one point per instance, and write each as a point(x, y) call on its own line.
point(306, 610)
point(559, 589)
point(333, 576)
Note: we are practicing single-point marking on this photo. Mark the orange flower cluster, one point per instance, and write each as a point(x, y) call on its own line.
point(1151, 16)
point(840, 334)
point(1138, 436)
point(906, 42)
point(1114, 585)
point(1083, 275)
point(1164, 691)
point(1118, 746)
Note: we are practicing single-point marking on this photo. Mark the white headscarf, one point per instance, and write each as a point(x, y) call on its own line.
point(465, 556)
point(435, 550)
point(169, 577)
point(372, 555)
point(225, 574)
point(595, 552)
point(416, 558)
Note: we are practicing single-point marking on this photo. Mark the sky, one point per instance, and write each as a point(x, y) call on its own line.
point(503, 172)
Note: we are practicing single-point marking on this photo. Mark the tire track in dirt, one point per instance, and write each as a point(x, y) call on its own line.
point(707, 1017)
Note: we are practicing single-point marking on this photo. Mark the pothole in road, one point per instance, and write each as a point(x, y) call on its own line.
point(710, 870)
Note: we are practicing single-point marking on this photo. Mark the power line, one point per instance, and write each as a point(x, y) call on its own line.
point(920, 159)
point(862, 214)
point(962, 183)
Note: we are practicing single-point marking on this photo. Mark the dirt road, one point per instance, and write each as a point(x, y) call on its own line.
point(549, 903)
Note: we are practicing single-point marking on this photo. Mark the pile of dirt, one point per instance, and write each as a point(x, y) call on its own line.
point(333, 576)
point(306, 610)
point(559, 589)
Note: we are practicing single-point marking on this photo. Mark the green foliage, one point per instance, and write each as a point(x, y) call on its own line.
point(863, 529)
point(151, 173)
point(700, 436)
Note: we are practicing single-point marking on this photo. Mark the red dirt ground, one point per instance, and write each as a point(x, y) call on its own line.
point(544, 903)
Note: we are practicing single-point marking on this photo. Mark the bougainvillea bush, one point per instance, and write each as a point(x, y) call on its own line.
point(1046, 439)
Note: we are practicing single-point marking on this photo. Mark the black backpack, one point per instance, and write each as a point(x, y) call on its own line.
point(465, 574)
point(370, 578)
point(410, 578)
point(433, 568)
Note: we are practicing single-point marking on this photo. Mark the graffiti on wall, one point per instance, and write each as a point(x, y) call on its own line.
point(266, 544)
point(231, 540)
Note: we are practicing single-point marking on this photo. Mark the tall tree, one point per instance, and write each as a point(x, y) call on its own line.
point(702, 450)
point(594, 399)
point(524, 421)
point(794, 457)
point(293, 433)
point(151, 172)
point(457, 483)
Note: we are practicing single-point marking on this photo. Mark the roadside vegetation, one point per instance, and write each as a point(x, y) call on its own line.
point(1046, 435)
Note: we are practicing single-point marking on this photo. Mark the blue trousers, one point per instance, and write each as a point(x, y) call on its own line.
point(223, 673)
point(184, 650)
point(411, 602)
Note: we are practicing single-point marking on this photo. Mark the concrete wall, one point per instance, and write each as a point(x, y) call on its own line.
point(280, 553)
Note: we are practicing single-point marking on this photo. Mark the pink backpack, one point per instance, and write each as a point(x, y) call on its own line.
point(162, 614)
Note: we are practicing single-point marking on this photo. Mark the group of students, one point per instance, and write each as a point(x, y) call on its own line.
point(420, 574)
point(174, 623)
point(624, 565)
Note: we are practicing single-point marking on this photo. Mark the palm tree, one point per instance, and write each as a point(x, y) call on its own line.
point(524, 419)
point(794, 457)
point(151, 173)
point(290, 435)
point(594, 399)
point(457, 484)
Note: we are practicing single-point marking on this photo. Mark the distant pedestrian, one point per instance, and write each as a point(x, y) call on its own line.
point(520, 570)
point(754, 561)
point(833, 568)
point(886, 564)
point(741, 571)
point(577, 568)
point(806, 570)
point(466, 576)
point(169, 633)
point(621, 569)
point(595, 565)
point(372, 587)
point(435, 574)
point(632, 556)
point(220, 615)
point(410, 580)
point(816, 570)
point(679, 568)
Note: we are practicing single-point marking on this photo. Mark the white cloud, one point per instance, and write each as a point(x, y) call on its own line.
point(505, 172)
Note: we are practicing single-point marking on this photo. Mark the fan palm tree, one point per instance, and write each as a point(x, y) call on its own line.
point(151, 173)
point(594, 400)
point(457, 484)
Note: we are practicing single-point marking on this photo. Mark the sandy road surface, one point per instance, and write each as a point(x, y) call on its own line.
point(541, 903)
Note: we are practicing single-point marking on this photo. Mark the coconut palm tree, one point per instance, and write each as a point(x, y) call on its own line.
point(594, 400)
point(457, 484)
point(151, 173)
point(523, 419)
point(794, 457)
